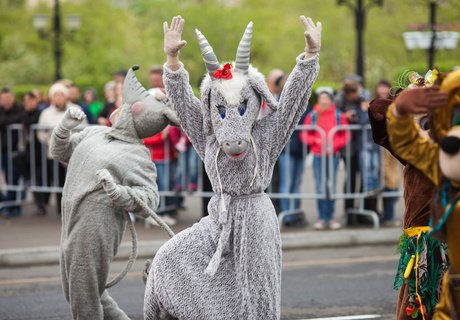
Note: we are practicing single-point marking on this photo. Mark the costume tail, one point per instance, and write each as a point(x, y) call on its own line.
point(133, 255)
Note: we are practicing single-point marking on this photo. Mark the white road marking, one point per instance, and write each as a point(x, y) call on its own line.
point(360, 317)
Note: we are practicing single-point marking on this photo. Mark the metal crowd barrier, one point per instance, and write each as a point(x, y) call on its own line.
point(7, 184)
point(49, 173)
point(363, 192)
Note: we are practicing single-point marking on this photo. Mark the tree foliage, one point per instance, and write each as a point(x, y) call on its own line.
point(113, 38)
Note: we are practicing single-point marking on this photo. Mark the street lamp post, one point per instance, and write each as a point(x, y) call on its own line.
point(359, 9)
point(57, 41)
point(40, 23)
point(432, 48)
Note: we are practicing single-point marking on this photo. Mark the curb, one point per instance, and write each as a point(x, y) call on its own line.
point(34, 256)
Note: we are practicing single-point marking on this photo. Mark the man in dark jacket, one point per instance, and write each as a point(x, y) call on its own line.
point(35, 153)
point(10, 113)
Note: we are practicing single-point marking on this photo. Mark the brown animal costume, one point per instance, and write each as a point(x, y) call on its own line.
point(418, 197)
point(439, 160)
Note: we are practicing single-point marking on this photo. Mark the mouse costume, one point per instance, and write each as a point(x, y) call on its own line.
point(228, 265)
point(109, 174)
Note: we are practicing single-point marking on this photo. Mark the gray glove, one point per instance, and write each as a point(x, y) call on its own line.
point(173, 36)
point(105, 179)
point(73, 117)
point(312, 35)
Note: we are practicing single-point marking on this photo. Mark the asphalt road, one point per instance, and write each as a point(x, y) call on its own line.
point(316, 284)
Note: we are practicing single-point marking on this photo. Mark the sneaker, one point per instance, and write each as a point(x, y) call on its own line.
point(392, 223)
point(319, 225)
point(334, 225)
point(192, 187)
point(41, 211)
point(149, 222)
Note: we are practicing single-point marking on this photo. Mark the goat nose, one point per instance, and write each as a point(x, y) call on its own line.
point(235, 147)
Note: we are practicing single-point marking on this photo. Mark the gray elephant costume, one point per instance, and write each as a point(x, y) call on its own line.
point(228, 265)
point(109, 173)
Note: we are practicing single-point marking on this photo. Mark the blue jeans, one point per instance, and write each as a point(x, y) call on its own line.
point(165, 181)
point(290, 172)
point(369, 165)
point(325, 206)
point(188, 168)
point(389, 206)
point(12, 179)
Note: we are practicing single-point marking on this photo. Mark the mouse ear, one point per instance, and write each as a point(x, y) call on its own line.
point(171, 116)
point(132, 89)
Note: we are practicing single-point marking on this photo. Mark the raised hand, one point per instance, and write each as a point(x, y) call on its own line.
point(420, 100)
point(173, 36)
point(312, 35)
point(72, 118)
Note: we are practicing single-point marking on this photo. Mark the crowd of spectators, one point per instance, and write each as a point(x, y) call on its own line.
point(24, 149)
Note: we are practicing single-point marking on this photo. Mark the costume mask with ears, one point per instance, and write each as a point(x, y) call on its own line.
point(141, 115)
point(232, 98)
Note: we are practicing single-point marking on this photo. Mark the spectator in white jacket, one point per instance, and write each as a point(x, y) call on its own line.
point(49, 118)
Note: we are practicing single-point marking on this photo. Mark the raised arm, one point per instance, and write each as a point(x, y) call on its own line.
point(296, 92)
point(63, 142)
point(177, 84)
point(403, 134)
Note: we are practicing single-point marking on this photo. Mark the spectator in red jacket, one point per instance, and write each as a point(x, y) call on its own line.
point(162, 150)
point(325, 116)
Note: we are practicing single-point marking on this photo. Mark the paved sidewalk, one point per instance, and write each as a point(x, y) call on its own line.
point(32, 240)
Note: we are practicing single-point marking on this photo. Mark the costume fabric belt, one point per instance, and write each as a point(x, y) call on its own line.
point(225, 221)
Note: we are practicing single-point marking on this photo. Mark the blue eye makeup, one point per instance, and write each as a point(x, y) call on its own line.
point(221, 110)
point(242, 108)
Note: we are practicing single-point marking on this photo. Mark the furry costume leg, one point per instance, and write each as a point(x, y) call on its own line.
point(85, 262)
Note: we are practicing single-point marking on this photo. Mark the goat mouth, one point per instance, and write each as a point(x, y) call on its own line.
point(238, 156)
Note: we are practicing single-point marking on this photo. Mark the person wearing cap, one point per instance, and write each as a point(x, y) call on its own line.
point(50, 117)
point(363, 155)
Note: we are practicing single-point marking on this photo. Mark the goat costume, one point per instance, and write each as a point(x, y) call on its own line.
point(109, 174)
point(439, 160)
point(228, 265)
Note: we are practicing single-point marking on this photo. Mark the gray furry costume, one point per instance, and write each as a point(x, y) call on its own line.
point(228, 265)
point(109, 173)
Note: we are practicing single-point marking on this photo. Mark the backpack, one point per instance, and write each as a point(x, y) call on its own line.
point(314, 115)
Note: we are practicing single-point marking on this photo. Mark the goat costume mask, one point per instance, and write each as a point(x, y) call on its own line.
point(109, 174)
point(228, 265)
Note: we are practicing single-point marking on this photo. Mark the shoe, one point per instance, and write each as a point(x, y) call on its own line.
point(149, 222)
point(170, 221)
point(334, 225)
point(319, 225)
point(7, 214)
point(192, 187)
point(392, 223)
point(41, 211)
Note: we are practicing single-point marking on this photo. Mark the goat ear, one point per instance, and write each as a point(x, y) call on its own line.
point(207, 124)
point(261, 88)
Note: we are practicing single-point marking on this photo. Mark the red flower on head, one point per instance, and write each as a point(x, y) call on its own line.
point(224, 73)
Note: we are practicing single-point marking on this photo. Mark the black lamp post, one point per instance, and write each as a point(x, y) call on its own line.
point(432, 48)
point(40, 23)
point(359, 9)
